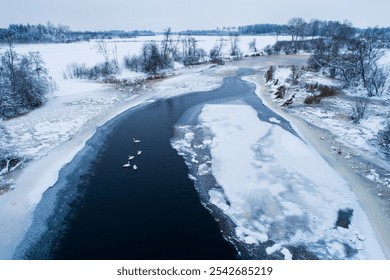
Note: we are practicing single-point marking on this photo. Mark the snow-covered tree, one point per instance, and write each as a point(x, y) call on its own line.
point(132, 63)
point(24, 82)
point(151, 60)
point(234, 48)
point(166, 51)
point(216, 51)
point(252, 45)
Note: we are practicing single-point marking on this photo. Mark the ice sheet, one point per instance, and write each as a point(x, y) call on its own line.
point(275, 187)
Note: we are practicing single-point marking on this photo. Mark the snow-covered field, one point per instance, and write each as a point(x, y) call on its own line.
point(52, 135)
point(58, 56)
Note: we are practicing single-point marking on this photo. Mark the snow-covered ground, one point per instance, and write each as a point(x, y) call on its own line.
point(58, 56)
point(356, 142)
point(52, 135)
point(274, 186)
point(351, 149)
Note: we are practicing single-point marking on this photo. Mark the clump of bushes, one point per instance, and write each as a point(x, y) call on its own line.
point(384, 135)
point(324, 91)
point(280, 92)
point(359, 109)
point(129, 85)
point(311, 87)
point(9, 159)
point(100, 70)
point(269, 75)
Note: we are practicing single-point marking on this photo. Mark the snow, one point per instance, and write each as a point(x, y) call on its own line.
point(52, 135)
point(274, 186)
point(332, 117)
point(58, 56)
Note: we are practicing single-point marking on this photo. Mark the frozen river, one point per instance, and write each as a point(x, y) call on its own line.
point(100, 210)
point(260, 191)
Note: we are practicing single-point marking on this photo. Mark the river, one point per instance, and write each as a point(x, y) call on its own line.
point(100, 210)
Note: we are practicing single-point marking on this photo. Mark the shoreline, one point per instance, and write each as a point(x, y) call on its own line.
point(29, 188)
point(361, 187)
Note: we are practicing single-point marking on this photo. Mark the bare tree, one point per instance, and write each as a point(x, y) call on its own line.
point(296, 73)
point(216, 51)
point(367, 50)
point(174, 47)
point(234, 48)
point(132, 63)
point(379, 81)
point(252, 45)
point(166, 43)
point(296, 26)
point(102, 48)
point(359, 108)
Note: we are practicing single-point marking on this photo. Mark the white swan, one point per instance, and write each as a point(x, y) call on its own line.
point(127, 164)
point(136, 141)
point(135, 167)
point(131, 157)
point(138, 152)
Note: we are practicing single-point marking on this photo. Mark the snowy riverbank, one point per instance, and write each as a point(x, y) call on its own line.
point(366, 191)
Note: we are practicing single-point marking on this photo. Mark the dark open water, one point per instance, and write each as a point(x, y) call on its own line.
point(100, 210)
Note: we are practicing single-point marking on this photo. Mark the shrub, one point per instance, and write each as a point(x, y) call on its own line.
point(128, 85)
point(280, 92)
point(296, 73)
point(269, 75)
point(384, 135)
point(101, 70)
point(9, 158)
point(311, 87)
point(312, 99)
point(325, 91)
point(133, 63)
point(359, 108)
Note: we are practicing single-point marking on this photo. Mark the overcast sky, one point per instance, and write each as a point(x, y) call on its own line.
point(188, 14)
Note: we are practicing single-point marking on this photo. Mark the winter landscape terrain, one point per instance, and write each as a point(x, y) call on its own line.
point(322, 186)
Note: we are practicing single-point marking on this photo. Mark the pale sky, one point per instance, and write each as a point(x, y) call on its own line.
point(188, 14)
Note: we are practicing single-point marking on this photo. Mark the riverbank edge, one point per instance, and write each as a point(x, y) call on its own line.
point(370, 205)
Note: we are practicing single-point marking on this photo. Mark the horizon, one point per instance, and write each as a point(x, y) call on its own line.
point(89, 15)
point(218, 28)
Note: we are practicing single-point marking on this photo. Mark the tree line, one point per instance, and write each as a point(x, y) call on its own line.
point(50, 33)
point(340, 50)
point(155, 57)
